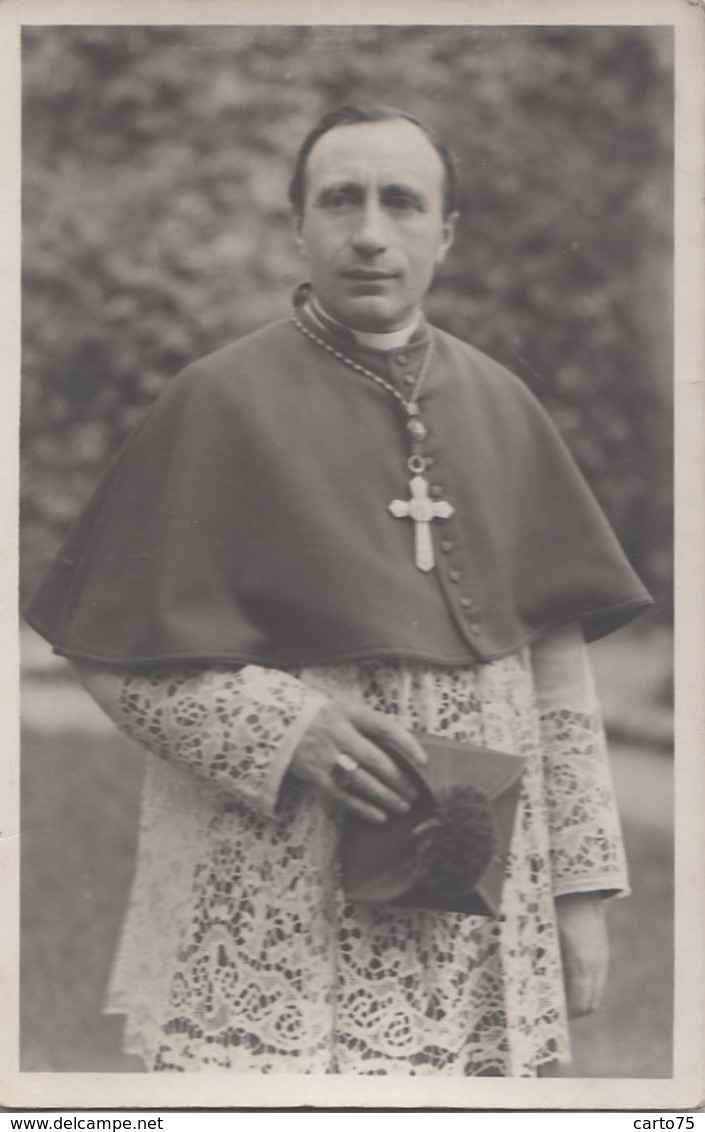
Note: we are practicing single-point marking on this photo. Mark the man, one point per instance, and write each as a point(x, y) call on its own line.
point(341, 530)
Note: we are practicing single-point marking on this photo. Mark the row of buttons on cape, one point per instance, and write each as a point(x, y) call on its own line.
point(401, 360)
point(455, 576)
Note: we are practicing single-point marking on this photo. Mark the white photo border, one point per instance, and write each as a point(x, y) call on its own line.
point(686, 1089)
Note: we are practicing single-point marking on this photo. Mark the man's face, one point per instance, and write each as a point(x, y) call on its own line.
point(373, 227)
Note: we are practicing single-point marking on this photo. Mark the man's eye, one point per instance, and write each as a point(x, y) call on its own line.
point(401, 202)
point(338, 199)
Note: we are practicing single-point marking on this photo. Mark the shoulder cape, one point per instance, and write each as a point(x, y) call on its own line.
point(246, 521)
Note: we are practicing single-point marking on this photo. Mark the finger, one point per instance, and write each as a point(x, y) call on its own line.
point(367, 785)
point(600, 983)
point(580, 997)
point(379, 767)
point(358, 806)
point(584, 992)
point(385, 730)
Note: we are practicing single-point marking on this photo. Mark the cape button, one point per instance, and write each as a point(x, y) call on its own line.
point(455, 576)
point(401, 359)
point(436, 490)
point(446, 546)
point(466, 603)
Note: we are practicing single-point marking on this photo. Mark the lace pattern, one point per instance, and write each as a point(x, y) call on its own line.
point(234, 728)
point(585, 835)
point(256, 963)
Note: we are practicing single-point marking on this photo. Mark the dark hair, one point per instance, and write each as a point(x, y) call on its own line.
point(352, 115)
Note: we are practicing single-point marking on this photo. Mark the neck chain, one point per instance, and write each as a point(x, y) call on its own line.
point(420, 508)
point(415, 428)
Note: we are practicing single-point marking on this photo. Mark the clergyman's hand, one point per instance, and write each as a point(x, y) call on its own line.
point(342, 753)
point(582, 931)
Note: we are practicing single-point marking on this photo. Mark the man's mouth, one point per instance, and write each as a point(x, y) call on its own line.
point(368, 275)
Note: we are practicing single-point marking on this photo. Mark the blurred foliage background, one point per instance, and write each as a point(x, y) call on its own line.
point(156, 229)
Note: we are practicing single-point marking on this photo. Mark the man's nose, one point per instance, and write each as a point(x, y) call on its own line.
point(370, 235)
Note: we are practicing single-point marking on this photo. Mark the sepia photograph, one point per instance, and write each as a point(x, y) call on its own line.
point(347, 554)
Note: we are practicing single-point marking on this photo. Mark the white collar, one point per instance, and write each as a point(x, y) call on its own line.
point(386, 340)
point(390, 340)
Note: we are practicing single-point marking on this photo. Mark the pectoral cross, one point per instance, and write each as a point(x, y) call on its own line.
point(422, 511)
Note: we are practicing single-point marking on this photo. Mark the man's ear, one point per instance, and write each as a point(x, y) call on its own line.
point(447, 235)
point(297, 222)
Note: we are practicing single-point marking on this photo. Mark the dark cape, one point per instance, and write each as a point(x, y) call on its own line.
point(246, 520)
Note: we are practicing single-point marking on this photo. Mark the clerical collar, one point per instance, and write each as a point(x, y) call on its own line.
point(389, 340)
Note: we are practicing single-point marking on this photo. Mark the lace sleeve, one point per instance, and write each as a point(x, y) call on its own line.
point(587, 852)
point(234, 728)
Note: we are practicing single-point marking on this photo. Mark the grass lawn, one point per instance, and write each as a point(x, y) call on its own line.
point(80, 806)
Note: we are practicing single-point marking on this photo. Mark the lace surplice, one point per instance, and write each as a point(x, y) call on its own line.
point(239, 951)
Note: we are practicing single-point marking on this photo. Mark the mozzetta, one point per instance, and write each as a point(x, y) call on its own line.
point(247, 520)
